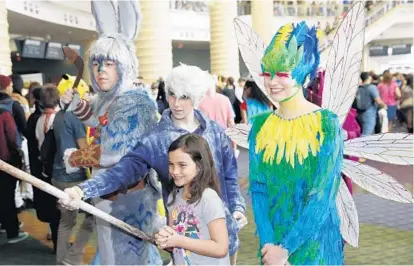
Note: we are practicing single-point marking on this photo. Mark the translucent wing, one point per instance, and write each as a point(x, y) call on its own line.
point(376, 181)
point(395, 148)
point(252, 49)
point(239, 133)
point(344, 63)
point(348, 215)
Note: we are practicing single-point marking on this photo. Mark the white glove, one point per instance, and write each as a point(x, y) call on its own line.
point(71, 98)
point(66, 155)
point(72, 202)
point(240, 218)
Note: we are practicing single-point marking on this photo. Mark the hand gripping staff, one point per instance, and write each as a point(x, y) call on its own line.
point(82, 205)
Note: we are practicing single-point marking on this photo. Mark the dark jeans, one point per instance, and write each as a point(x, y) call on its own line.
point(54, 226)
point(8, 211)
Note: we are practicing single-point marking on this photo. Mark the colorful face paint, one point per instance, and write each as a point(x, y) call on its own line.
point(100, 66)
point(293, 49)
point(105, 73)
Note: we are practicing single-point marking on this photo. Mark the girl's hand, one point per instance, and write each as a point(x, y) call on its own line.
point(274, 255)
point(167, 238)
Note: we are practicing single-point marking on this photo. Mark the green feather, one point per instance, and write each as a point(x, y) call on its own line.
point(299, 54)
point(292, 51)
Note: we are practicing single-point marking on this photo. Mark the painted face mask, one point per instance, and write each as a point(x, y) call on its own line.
point(293, 52)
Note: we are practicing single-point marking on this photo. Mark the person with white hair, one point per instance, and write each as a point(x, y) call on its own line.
point(185, 86)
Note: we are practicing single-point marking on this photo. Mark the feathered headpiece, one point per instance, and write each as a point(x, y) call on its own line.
point(292, 49)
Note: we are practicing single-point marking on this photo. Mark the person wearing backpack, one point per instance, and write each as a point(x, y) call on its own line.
point(366, 101)
point(19, 117)
point(9, 153)
point(57, 131)
point(12, 106)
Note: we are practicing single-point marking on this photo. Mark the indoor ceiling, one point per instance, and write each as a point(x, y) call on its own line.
point(25, 26)
point(397, 31)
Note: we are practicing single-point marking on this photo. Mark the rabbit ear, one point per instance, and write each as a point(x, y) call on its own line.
point(105, 17)
point(129, 18)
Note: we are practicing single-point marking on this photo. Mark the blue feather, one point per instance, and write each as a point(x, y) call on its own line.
point(299, 32)
point(314, 51)
point(310, 59)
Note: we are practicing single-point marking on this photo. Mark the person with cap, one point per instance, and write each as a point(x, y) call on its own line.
point(11, 154)
point(14, 107)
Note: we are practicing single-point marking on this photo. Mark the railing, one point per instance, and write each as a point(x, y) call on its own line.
point(293, 8)
point(372, 16)
point(195, 6)
point(379, 12)
point(279, 8)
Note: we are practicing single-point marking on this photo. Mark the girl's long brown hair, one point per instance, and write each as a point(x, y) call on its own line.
point(199, 151)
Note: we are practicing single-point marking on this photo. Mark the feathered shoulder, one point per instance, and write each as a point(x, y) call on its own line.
point(131, 107)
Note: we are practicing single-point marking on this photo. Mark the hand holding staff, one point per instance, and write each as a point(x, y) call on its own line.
point(82, 205)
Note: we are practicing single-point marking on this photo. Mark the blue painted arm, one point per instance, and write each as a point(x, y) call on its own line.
point(130, 169)
point(323, 193)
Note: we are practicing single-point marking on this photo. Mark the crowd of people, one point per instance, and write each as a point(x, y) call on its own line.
point(383, 101)
point(33, 118)
point(158, 157)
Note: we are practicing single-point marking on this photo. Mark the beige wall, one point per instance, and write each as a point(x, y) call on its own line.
point(224, 53)
point(262, 19)
point(5, 60)
point(153, 46)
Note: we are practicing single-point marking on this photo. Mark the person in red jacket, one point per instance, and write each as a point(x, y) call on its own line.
point(10, 154)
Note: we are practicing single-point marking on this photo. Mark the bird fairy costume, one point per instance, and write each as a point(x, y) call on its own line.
point(299, 198)
point(121, 116)
point(293, 190)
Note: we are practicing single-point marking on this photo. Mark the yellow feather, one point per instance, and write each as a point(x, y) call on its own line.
point(290, 139)
point(284, 34)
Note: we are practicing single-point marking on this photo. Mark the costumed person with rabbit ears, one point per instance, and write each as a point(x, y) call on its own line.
point(121, 113)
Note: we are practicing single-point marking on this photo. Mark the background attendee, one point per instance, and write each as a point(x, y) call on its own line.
point(389, 92)
point(11, 154)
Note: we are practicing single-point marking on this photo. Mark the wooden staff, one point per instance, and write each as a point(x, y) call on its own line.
point(82, 205)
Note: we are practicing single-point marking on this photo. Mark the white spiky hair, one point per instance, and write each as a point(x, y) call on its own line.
point(190, 81)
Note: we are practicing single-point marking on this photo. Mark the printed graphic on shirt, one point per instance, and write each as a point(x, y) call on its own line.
point(186, 223)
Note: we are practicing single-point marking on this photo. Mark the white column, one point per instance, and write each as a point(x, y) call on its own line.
point(224, 52)
point(153, 46)
point(5, 59)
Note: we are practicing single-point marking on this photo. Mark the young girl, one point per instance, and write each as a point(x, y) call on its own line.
point(197, 232)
